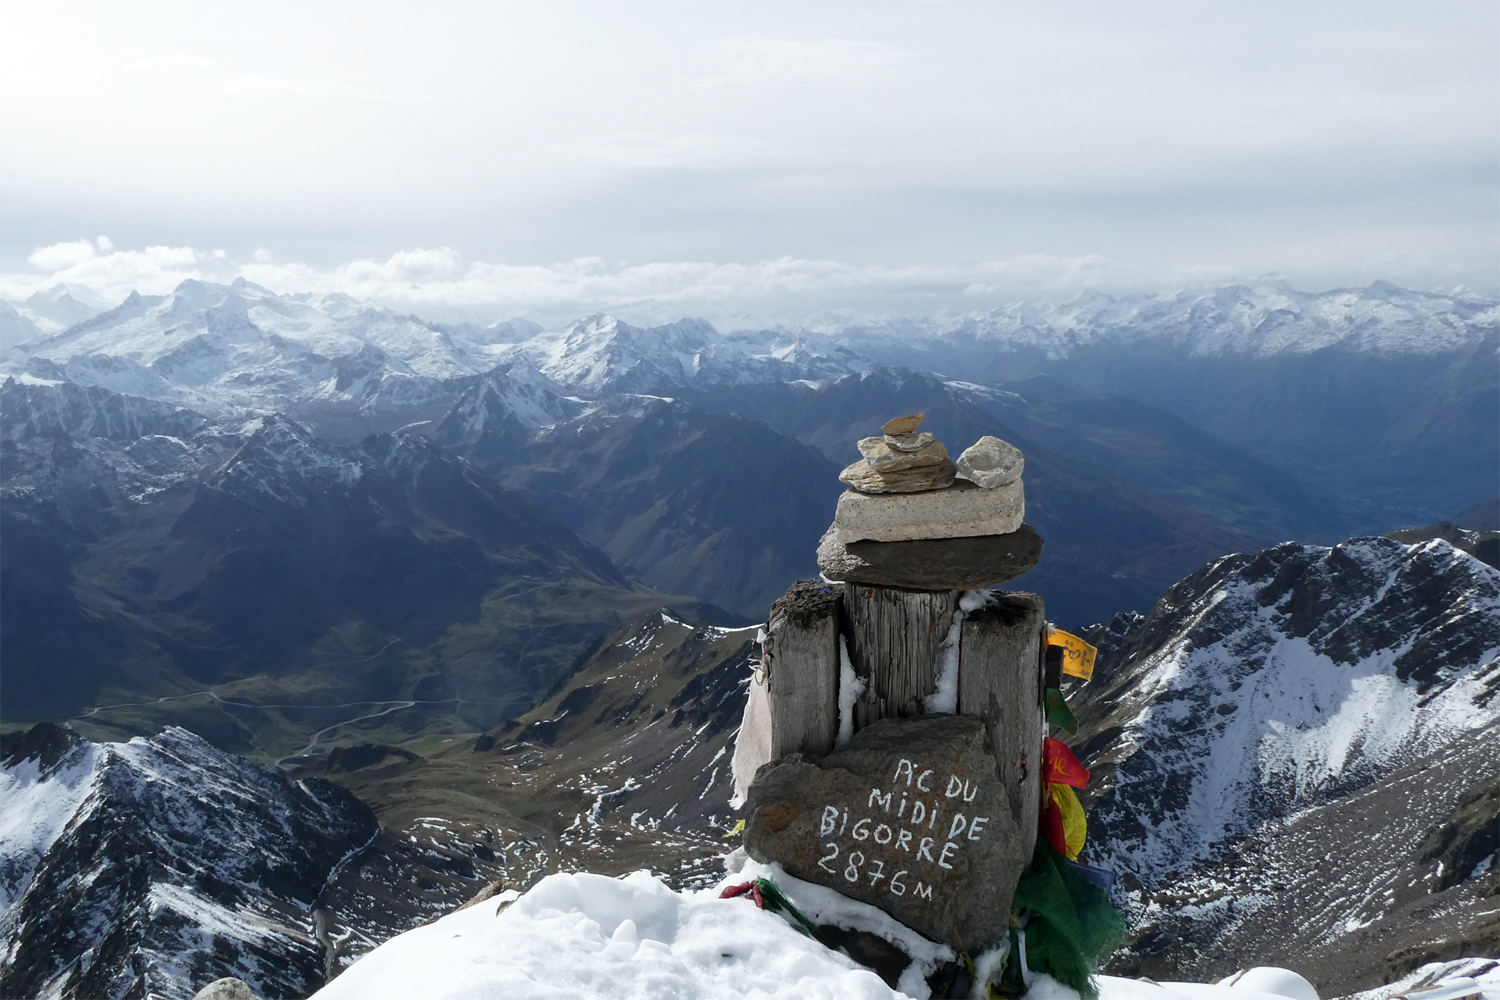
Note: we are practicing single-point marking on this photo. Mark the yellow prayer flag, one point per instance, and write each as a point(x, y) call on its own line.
point(1075, 826)
point(1078, 656)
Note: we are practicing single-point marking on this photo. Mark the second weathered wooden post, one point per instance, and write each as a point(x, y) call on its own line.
point(895, 638)
point(1000, 680)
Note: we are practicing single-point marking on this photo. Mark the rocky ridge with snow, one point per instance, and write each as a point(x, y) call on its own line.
point(155, 866)
point(1291, 751)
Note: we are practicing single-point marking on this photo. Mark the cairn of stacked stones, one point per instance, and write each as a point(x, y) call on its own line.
point(905, 715)
point(914, 518)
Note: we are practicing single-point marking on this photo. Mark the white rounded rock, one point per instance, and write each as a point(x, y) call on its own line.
point(991, 462)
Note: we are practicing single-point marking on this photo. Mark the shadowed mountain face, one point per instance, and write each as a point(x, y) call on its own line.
point(681, 499)
point(262, 566)
point(1399, 438)
point(153, 867)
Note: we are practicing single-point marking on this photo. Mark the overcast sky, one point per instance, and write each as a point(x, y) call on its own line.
point(714, 157)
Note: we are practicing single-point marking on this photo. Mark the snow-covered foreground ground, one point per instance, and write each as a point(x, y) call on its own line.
point(582, 935)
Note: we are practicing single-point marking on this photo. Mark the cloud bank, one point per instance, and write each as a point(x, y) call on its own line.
point(440, 281)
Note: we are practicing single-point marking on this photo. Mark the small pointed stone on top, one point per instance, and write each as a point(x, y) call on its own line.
point(903, 425)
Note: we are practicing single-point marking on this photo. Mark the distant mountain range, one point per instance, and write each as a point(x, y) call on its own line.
point(183, 470)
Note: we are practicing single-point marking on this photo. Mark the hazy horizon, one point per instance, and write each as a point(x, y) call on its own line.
point(750, 160)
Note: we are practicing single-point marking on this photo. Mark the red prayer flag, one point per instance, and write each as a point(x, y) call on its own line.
point(1060, 767)
point(1052, 826)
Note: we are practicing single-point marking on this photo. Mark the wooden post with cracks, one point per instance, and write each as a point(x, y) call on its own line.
point(1000, 680)
point(802, 649)
point(895, 637)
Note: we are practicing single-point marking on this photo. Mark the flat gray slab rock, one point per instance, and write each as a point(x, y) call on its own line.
point(963, 510)
point(932, 564)
point(884, 456)
point(909, 816)
point(900, 477)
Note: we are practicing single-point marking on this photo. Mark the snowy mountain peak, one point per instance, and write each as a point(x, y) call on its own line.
point(1255, 682)
point(119, 862)
point(1274, 741)
point(283, 462)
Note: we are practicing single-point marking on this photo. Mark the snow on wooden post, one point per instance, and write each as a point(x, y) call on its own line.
point(802, 636)
point(895, 637)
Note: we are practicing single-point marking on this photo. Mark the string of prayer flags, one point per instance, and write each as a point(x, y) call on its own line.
point(1063, 822)
point(1077, 655)
point(1060, 766)
point(1058, 712)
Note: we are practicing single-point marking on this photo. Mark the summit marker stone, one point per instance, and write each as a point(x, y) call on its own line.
point(909, 816)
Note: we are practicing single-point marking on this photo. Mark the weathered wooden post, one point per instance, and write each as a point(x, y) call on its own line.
point(1000, 680)
point(802, 669)
point(907, 699)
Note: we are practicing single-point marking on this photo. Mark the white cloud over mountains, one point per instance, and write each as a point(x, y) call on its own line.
point(439, 282)
point(439, 279)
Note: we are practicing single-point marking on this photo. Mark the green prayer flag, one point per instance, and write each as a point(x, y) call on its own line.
point(1058, 712)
